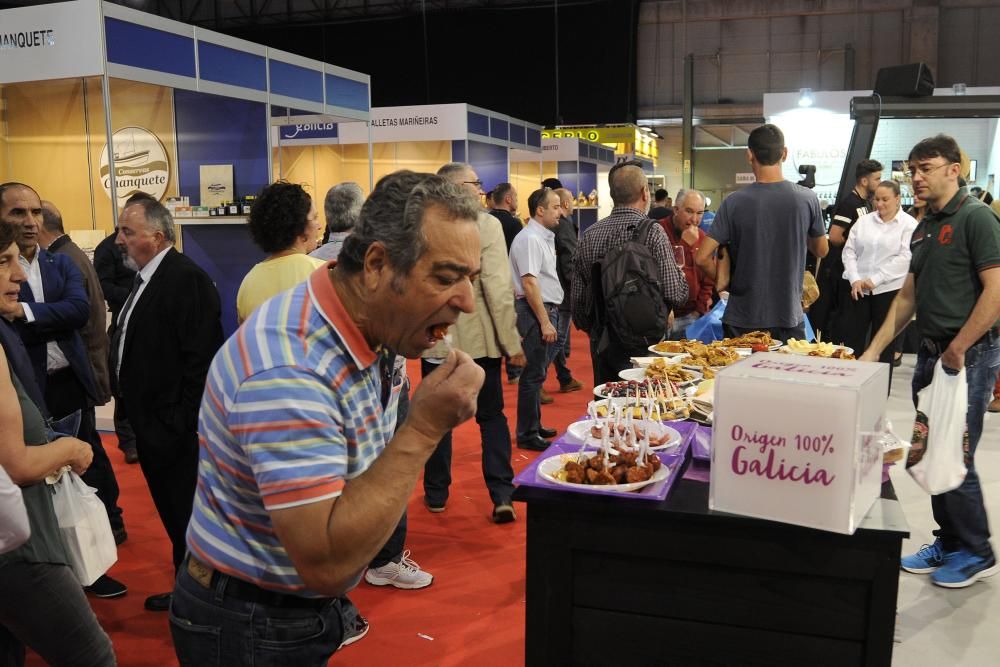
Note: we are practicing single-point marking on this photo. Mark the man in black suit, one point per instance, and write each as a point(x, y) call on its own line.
point(53, 308)
point(116, 283)
point(162, 344)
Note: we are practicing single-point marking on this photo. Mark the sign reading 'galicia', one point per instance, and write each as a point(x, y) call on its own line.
point(141, 164)
point(27, 39)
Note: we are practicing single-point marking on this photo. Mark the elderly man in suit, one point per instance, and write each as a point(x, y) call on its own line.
point(54, 308)
point(487, 335)
point(161, 346)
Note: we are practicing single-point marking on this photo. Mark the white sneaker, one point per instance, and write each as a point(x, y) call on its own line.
point(404, 574)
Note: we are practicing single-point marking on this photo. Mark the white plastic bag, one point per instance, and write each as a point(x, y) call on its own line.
point(86, 531)
point(940, 439)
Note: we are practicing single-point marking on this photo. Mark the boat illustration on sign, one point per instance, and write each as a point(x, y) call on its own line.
point(125, 151)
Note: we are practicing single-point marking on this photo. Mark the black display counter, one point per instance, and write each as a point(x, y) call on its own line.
point(614, 581)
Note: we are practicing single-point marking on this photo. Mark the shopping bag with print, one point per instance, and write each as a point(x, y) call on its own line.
point(940, 437)
point(85, 529)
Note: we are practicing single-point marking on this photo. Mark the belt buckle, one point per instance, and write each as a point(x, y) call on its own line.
point(200, 572)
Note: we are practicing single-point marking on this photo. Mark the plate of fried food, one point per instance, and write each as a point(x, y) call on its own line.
point(755, 341)
point(667, 348)
point(662, 372)
point(808, 349)
point(628, 470)
point(710, 358)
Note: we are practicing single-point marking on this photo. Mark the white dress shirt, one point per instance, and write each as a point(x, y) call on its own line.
point(533, 253)
point(147, 274)
point(55, 359)
point(879, 250)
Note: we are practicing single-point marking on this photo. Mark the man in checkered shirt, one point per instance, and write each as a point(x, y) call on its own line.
point(631, 198)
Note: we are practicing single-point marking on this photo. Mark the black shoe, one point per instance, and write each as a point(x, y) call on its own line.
point(159, 602)
point(131, 455)
point(105, 587)
point(436, 506)
point(503, 512)
point(897, 361)
point(535, 444)
point(547, 432)
point(120, 535)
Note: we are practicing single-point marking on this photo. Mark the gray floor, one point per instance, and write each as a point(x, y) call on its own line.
point(939, 626)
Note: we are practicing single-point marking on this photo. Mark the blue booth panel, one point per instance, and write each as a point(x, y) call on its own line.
point(147, 48)
point(490, 163)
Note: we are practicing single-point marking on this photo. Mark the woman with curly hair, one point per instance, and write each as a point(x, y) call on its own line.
point(284, 223)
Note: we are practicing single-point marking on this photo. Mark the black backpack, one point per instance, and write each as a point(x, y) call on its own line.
point(630, 301)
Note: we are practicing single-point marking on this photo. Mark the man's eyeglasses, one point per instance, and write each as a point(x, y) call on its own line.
point(926, 170)
point(478, 184)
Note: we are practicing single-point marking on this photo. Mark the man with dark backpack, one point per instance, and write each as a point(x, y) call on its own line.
point(625, 280)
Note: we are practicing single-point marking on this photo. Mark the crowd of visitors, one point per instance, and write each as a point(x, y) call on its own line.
point(281, 461)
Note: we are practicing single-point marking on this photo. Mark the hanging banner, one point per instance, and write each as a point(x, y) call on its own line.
point(53, 41)
point(429, 122)
point(141, 164)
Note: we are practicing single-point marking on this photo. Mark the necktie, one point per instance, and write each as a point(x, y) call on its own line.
point(120, 327)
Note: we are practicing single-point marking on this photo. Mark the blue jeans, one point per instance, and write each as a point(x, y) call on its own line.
point(210, 627)
point(495, 434)
point(961, 513)
point(538, 355)
point(681, 323)
point(562, 329)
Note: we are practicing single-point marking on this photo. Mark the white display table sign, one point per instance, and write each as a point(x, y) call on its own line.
point(794, 440)
point(436, 122)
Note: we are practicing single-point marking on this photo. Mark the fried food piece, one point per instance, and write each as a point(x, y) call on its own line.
point(653, 461)
point(595, 463)
point(601, 478)
point(619, 472)
point(575, 476)
point(439, 331)
point(638, 474)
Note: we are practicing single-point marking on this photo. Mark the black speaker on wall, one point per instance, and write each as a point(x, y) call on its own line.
point(913, 80)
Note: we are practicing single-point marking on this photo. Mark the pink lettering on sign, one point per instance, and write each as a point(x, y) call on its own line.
point(778, 470)
point(765, 440)
point(792, 367)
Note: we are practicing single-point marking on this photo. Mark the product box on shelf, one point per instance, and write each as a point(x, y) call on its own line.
point(796, 439)
point(182, 212)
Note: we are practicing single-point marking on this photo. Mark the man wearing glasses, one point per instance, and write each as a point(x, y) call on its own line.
point(954, 288)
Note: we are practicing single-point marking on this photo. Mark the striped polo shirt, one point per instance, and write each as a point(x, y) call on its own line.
point(292, 410)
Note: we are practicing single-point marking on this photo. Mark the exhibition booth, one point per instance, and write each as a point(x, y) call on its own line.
point(419, 138)
point(976, 133)
point(185, 112)
point(581, 166)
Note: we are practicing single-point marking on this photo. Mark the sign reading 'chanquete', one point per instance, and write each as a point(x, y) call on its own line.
point(27, 39)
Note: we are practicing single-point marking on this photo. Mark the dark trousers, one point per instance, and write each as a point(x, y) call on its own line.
point(538, 355)
point(860, 320)
point(495, 434)
point(43, 606)
point(777, 333)
point(171, 484)
point(126, 436)
point(210, 627)
point(392, 550)
point(63, 395)
point(614, 359)
point(562, 370)
point(961, 513)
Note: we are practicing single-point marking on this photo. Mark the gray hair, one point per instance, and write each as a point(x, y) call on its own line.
point(683, 193)
point(393, 215)
point(454, 171)
point(157, 218)
point(342, 206)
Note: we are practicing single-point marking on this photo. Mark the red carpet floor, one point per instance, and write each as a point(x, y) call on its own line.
point(473, 613)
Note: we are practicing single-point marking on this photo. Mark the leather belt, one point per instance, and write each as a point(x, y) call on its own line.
point(938, 346)
point(208, 577)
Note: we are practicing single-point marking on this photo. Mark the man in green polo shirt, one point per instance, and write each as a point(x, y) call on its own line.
point(954, 289)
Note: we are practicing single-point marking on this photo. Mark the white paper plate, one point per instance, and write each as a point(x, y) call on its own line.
point(639, 374)
point(805, 353)
point(652, 348)
point(642, 362)
point(551, 465)
point(580, 433)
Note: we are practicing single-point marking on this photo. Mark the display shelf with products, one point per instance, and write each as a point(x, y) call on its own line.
point(419, 138)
